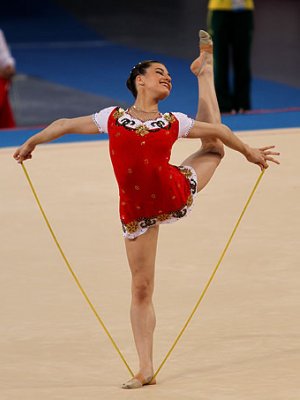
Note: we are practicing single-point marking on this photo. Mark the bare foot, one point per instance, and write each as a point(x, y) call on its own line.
point(205, 60)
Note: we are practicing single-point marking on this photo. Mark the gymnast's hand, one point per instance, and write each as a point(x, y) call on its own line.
point(24, 152)
point(261, 156)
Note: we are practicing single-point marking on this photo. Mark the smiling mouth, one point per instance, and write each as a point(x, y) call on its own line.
point(167, 85)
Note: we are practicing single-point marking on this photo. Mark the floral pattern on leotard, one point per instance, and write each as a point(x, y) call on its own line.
point(137, 227)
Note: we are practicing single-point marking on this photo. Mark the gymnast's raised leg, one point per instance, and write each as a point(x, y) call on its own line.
point(208, 157)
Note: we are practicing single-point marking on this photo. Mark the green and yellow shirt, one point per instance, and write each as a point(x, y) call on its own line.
point(231, 5)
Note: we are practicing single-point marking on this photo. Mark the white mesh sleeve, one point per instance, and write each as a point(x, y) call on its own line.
point(101, 118)
point(185, 124)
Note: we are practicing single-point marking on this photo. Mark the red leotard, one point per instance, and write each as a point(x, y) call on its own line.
point(152, 191)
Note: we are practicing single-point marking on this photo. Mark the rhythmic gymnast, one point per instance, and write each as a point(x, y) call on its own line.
point(151, 190)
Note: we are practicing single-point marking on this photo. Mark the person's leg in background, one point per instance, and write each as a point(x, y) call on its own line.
point(219, 29)
point(241, 56)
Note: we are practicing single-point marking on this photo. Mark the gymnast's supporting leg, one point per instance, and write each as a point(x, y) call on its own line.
point(208, 157)
point(141, 253)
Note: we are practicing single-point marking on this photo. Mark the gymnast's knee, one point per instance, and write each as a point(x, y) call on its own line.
point(215, 148)
point(220, 154)
point(142, 291)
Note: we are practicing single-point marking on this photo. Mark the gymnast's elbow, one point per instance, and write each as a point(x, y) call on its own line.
point(63, 125)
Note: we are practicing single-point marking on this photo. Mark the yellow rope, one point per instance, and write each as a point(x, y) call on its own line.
point(92, 306)
point(73, 273)
point(211, 277)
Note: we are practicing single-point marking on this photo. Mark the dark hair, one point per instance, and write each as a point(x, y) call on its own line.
point(138, 69)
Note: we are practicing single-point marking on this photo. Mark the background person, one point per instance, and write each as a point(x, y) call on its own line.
point(7, 71)
point(230, 23)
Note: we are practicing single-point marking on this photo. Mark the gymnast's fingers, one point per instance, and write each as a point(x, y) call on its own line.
point(273, 153)
point(267, 148)
point(272, 160)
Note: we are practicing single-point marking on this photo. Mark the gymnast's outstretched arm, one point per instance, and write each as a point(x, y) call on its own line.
point(82, 125)
point(259, 156)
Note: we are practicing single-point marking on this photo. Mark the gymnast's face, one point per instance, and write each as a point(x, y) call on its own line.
point(155, 82)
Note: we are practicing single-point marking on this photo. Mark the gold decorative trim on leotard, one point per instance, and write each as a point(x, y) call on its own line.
point(169, 117)
point(132, 227)
point(163, 217)
point(118, 113)
point(142, 130)
point(189, 201)
point(186, 172)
